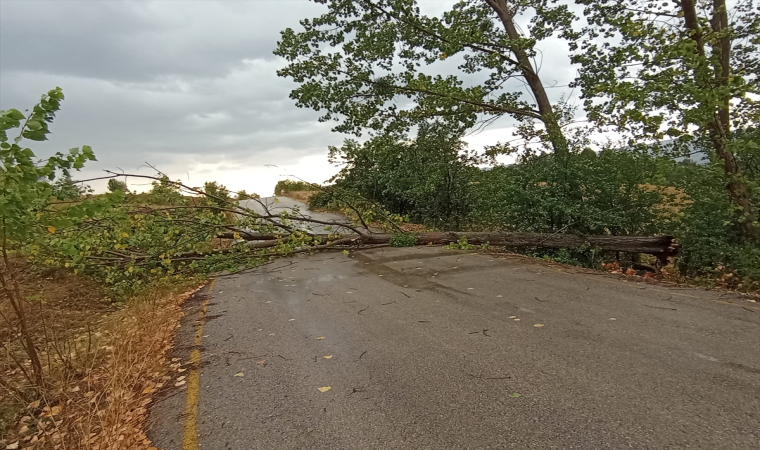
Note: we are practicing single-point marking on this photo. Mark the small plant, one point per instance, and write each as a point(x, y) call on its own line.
point(461, 244)
point(117, 185)
point(485, 246)
point(403, 240)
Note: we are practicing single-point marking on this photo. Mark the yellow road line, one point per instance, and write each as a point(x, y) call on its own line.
point(190, 436)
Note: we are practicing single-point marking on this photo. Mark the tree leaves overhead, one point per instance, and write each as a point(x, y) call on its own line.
point(376, 64)
point(684, 70)
point(644, 69)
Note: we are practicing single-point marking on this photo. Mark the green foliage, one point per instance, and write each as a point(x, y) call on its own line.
point(425, 179)
point(115, 185)
point(216, 193)
point(582, 193)
point(243, 195)
point(683, 71)
point(285, 186)
point(377, 64)
point(584, 256)
point(461, 244)
point(660, 76)
point(65, 189)
point(360, 210)
point(705, 228)
point(164, 192)
point(403, 240)
point(123, 240)
point(24, 193)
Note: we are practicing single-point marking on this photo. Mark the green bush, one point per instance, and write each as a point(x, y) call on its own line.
point(285, 186)
point(581, 193)
point(403, 240)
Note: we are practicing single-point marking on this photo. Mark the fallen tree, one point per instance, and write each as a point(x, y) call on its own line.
point(266, 233)
point(660, 246)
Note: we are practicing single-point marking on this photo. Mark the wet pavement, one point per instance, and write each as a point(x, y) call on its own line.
point(426, 348)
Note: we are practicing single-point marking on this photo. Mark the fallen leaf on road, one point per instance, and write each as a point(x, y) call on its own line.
point(271, 334)
point(180, 383)
point(499, 296)
point(320, 338)
point(13, 446)
point(290, 320)
point(263, 361)
point(328, 356)
point(181, 378)
point(516, 320)
point(240, 374)
point(469, 289)
point(324, 388)
point(612, 318)
point(538, 325)
point(513, 317)
point(516, 395)
point(268, 301)
point(147, 390)
point(349, 292)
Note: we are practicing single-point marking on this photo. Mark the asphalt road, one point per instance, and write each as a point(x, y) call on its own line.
point(276, 205)
point(441, 349)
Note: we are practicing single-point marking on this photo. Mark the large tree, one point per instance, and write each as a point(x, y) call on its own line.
point(683, 70)
point(377, 64)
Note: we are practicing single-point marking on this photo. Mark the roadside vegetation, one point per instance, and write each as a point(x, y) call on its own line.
point(669, 80)
point(91, 283)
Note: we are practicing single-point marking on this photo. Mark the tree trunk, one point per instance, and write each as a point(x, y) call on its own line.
point(548, 117)
point(720, 128)
point(657, 245)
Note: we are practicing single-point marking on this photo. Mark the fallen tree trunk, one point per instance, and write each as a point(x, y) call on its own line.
point(656, 245)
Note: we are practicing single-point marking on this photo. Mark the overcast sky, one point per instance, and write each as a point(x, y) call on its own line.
point(188, 86)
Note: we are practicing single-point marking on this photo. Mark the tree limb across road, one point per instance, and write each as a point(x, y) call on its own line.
point(660, 246)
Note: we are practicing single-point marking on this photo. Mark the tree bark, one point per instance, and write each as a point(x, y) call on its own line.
point(657, 245)
point(719, 129)
point(548, 117)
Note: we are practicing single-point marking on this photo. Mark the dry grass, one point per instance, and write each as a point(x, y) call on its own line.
point(301, 196)
point(100, 377)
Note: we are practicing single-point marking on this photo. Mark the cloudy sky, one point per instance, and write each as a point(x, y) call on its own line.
point(187, 86)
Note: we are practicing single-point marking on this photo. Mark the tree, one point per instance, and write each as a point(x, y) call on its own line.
point(373, 76)
point(24, 194)
point(216, 193)
point(678, 70)
point(115, 185)
point(426, 178)
point(64, 188)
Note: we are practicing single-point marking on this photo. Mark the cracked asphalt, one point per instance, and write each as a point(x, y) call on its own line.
point(426, 352)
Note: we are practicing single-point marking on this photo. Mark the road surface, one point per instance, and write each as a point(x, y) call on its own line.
point(426, 348)
point(278, 204)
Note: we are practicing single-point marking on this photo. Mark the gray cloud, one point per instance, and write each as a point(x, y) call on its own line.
point(189, 86)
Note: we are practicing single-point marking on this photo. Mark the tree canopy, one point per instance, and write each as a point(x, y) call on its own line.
point(377, 65)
